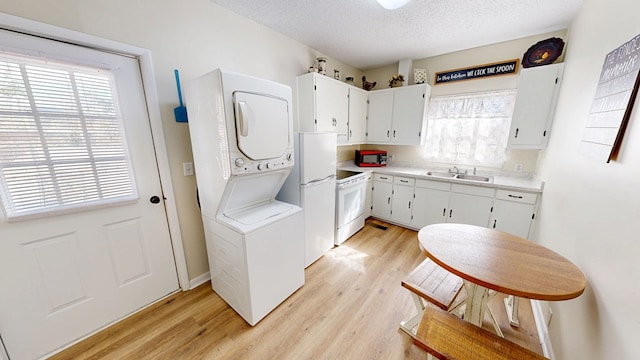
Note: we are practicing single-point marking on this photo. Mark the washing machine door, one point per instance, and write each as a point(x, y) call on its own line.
point(262, 125)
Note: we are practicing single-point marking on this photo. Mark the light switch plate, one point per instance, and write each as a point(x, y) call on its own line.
point(187, 168)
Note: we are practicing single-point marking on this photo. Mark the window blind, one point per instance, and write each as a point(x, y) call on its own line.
point(62, 143)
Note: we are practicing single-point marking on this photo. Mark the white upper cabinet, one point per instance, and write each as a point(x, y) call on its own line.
point(535, 105)
point(394, 116)
point(409, 114)
point(323, 104)
point(380, 115)
point(397, 115)
point(358, 99)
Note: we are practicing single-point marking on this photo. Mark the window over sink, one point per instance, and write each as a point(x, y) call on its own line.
point(469, 129)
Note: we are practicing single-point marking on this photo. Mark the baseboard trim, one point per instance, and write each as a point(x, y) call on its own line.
point(199, 280)
point(543, 330)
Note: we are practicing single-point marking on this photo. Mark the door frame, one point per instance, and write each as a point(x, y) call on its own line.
point(3, 351)
point(30, 27)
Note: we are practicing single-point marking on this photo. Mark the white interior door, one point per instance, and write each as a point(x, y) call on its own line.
point(67, 274)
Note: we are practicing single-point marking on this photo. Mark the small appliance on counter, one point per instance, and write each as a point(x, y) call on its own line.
point(371, 158)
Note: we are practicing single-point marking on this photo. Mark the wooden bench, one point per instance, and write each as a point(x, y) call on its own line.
point(434, 284)
point(445, 336)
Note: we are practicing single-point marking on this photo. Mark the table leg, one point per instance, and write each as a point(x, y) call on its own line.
point(477, 303)
point(511, 304)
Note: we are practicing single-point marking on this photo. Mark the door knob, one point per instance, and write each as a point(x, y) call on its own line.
point(154, 199)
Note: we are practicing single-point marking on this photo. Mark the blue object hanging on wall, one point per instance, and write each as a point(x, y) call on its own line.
point(180, 112)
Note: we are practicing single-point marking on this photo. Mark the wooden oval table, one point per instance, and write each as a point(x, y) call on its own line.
point(492, 261)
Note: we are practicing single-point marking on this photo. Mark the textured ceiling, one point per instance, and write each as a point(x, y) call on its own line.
point(363, 34)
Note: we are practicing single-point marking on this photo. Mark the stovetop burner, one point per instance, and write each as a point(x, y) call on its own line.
point(343, 174)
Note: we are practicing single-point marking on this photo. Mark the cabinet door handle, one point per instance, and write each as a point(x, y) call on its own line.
point(444, 212)
point(450, 212)
point(494, 223)
point(517, 129)
point(350, 135)
point(388, 200)
point(394, 133)
point(515, 196)
point(387, 133)
point(409, 204)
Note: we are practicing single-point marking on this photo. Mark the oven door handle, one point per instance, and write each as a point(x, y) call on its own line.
point(352, 184)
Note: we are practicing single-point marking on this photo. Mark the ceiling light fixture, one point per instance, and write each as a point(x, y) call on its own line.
point(392, 4)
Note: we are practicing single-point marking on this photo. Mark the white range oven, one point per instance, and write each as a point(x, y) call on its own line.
point(351, 191)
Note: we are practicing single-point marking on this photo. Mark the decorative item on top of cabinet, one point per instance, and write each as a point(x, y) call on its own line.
point(543, 52)
point(322, 66)
point(419, 76)
point(349, 81)
point(534, 109)
point(396, 80)
point(367, 85)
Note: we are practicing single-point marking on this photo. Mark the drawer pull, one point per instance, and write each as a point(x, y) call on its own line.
point(515, 196)
point(404, 181)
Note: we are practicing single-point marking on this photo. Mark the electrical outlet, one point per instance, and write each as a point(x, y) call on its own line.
point(519, 167)
point(391, 157)
point(187, 168)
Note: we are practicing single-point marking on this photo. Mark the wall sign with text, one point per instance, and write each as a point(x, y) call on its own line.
point(480, 71)
point(613, 102)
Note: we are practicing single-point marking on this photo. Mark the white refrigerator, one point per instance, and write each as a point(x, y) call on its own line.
point(312, 186)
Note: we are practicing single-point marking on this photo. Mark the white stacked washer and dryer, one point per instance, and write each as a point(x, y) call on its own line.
point(242, 138)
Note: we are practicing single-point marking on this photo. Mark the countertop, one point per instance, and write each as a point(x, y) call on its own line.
point(524, 182)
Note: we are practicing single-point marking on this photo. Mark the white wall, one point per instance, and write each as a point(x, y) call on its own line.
point(591, 211)
point(193, 36)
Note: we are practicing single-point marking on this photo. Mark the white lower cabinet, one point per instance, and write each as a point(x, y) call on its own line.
point(430, 203)
point(368, 198)
point(470, 205)
point(440, 202)
point(382, 191)
point(402, 200)
point(513, 212)
point(416, 203)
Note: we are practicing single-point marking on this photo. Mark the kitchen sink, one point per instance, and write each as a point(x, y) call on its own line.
point(459, 176)
point(473, 177)
point(440, 174)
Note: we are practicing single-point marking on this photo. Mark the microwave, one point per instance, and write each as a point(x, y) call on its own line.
point(371, 158)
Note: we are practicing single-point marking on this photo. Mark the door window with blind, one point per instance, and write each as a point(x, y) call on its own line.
point(62, 144)
point(469, 129)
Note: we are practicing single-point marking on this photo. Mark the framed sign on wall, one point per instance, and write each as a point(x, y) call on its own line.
point(613, 101)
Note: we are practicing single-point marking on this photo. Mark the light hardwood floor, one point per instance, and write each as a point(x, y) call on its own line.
point(349, 308)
